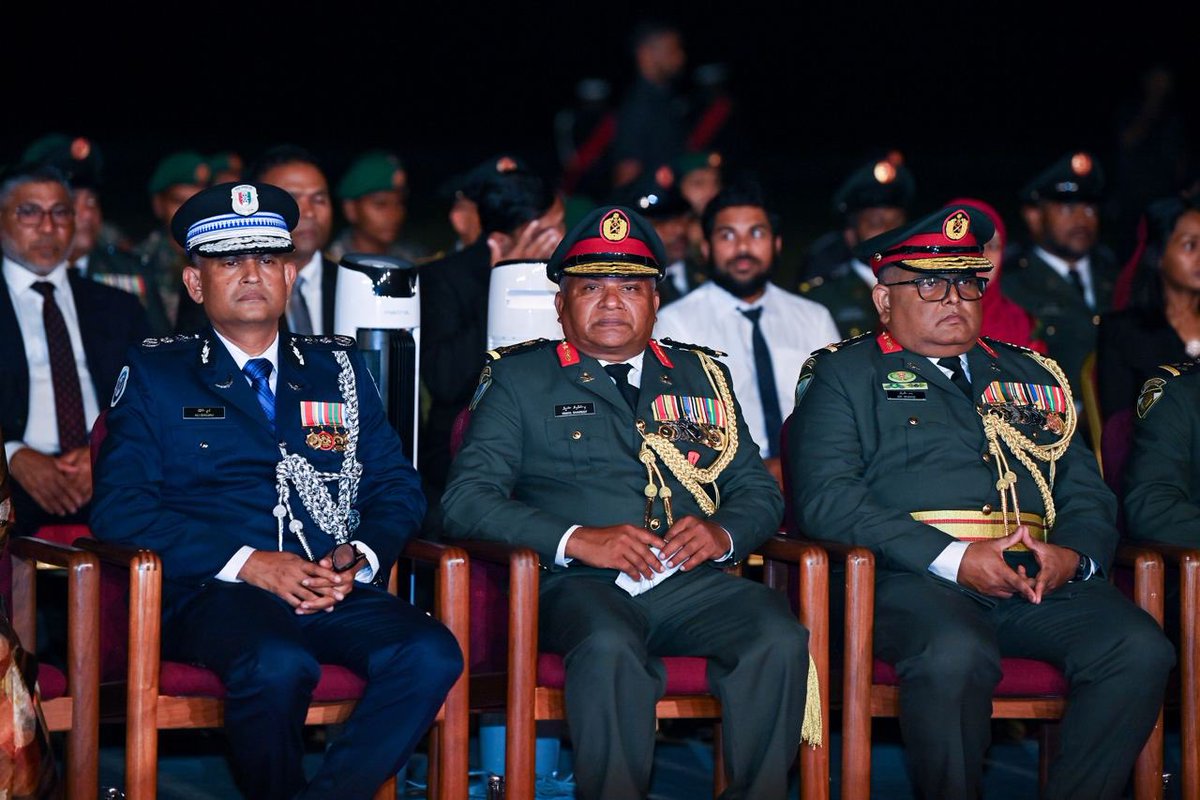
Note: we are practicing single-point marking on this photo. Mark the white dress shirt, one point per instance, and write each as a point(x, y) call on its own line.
point(310, 276)
point(793, 327)
point(229, 572)
point(1083, 266)
point(41, 431)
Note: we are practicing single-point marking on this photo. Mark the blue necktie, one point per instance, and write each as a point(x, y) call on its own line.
point(258, 370)
point(764, 370)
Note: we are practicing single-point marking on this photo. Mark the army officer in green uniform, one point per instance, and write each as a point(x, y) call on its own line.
point(951, 458)
point(1162, 481)
point(627, 466)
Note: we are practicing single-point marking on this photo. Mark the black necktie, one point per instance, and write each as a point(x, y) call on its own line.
point(765, 371)
point(620, 375)
point(64, 373)
point(1077, 282)
point(957, 376)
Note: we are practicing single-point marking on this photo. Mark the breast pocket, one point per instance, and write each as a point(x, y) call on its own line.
point(579, 439)
point(203, 448)
point(922, 426)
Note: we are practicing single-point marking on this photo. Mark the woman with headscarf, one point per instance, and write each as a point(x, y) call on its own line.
point(1161, 325)
point(1002, 318)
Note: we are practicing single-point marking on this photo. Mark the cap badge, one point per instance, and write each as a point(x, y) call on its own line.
point(664, 177)
point(615, 227)
point(398, 179)
point(245, 199)
point(81, 148)
point(884, 172)
point(505, 164)
point(202, 173)
point(1081, 164)
point(956, 226)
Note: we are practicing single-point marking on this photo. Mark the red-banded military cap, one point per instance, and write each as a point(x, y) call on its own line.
point(948, 240)
point(611, 241)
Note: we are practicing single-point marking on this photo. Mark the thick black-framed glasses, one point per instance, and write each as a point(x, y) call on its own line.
point(935, 288)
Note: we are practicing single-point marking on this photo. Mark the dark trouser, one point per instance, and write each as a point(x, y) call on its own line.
point(268, 658)
point(757, 666)
point(946, 646)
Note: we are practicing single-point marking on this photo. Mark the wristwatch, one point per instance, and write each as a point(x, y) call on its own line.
point(1083, 569)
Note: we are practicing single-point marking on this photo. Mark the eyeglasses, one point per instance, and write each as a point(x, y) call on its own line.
point(32, 215)
point(935, 288)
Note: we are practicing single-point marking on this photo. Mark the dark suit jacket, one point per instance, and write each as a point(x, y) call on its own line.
point(454, 300)
point(1131, 345)
point(110, 320)
point(196, 487)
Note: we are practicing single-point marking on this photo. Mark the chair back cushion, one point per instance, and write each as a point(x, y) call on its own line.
point(489, 617)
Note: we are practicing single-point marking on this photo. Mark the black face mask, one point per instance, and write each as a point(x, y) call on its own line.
point(738, 288)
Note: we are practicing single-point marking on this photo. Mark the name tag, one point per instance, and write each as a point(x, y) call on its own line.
point(904, 394)
point(574, 409)
point(204, 412)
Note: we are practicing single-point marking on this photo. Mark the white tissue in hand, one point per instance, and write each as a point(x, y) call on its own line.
point(636, 587)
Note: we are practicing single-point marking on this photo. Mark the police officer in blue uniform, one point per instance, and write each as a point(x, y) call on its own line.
point(260, 466)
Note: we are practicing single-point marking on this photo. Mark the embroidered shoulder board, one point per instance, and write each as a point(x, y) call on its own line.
point(1153, 388)
point(853, 340)
point(1001, 343)
point(519, 347)
point(166, 341)
point(323, 342)
point(708, 351)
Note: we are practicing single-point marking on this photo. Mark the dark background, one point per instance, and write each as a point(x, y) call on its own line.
point(978, 97)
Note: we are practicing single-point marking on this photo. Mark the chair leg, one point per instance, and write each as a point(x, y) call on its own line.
point(1148, 769)
point(437, 753)
point(719, 782)
point(1189, 657)
point(1048, 745)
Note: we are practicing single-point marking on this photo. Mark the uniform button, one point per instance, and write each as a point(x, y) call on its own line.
point(204, 445)
point(913, 420)
point(1096, 319)
point(987, 508)
point(576, 435)
point(1051, 330)
point(987, 458)
point(655, 524)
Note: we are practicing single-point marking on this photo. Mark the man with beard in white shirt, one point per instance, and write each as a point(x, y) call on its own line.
point(766, 331)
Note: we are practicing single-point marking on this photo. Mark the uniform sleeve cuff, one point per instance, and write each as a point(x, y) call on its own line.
point(946, 564)
point(367, 573)
point(560, 555)
point(229, 572)
point(729, 554)
point(12, 447)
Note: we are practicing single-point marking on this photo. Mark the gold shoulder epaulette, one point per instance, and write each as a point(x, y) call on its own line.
point(708, 351)
point(520, 347)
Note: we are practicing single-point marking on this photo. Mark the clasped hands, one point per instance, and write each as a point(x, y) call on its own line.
point(984, 569)
point(307, 586)
point(689, 542)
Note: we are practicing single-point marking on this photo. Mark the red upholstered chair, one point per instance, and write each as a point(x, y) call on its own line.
point(1028, 689)
point(509, 671)
point(162, 695)
point(1117, 443)
point(70, 702)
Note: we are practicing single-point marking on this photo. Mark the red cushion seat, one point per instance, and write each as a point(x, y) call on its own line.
point(1020, 677)
point(685, 674)
point(188, 680)
point(52, 683)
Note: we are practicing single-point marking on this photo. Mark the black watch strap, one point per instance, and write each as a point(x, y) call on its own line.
point(1083, 569)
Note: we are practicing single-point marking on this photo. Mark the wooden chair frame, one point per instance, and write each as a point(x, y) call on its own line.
point(863, 699)
point(527, 703)
point(147, 711)
point(77, 712)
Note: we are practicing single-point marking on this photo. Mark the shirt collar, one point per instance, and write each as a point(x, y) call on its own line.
point(1061, 266)
point(311, 271)
point(635, 362)
point(20, 278)
point(240, 356)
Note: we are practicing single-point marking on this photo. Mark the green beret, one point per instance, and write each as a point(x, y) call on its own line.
point(377, 171)
point(78, 158)
point(186, 167)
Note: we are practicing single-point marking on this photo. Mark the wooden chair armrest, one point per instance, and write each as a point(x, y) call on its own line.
point(34, 549)
point(835, 551)
point(489, 551)
point(116, 554)
point(1128, 550)
point(83, 603)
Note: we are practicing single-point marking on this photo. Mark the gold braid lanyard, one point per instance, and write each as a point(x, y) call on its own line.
point(692, 478)
point(685, 472)
point(1026, 450)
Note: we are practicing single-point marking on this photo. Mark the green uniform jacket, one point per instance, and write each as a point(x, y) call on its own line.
point(1068, 325)
point(848, 298)
point(1162, 479)
point(861, 462)
point(553, 444)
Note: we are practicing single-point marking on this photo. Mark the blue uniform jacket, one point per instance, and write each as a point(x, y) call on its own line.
point(188, 466)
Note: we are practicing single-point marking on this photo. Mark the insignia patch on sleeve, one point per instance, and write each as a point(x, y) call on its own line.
point(485, 382)
point(1152, 390)
point(119, 389)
